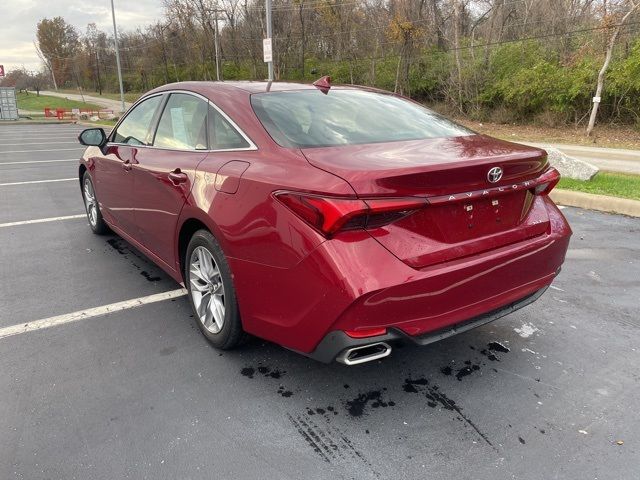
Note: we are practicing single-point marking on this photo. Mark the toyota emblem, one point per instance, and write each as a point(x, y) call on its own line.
point(494, 175)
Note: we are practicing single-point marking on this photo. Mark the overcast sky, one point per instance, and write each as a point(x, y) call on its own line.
point(19, 19)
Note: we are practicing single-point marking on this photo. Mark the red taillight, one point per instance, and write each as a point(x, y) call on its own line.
point(547, 181)
point(331, 214)
point(366, 332)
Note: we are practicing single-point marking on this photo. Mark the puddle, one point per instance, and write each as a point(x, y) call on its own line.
point(148, 276)
point(374, 399)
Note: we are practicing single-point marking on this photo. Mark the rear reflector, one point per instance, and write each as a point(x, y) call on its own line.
point(547, 181)
point(366, 332)
point(330, 215)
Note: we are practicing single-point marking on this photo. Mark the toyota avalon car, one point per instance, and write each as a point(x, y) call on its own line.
point(335, 221)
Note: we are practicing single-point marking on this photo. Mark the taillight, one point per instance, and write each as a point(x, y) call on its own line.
point(332, 214)
point(547, 181)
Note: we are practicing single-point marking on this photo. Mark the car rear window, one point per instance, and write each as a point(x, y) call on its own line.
point(309, 118)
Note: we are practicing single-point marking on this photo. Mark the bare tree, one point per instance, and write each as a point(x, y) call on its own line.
point(47, 64)
point(632, 5)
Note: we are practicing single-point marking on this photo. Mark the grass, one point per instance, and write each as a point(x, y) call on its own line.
point(606, 183)
point(128, 96)
point(35, 103)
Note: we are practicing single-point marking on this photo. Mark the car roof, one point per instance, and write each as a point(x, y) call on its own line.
point(260, 87)
point(248, 86)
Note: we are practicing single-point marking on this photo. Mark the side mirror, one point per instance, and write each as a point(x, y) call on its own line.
point(93, 137)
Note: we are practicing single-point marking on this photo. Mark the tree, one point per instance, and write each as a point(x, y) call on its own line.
point(57, 43)
point(607, 59)
point(405, 32)
point(91, 40)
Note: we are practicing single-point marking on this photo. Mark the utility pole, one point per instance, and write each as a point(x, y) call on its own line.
point(216, 41)
point(98, 69)
point(115, 39)
point(269, 37)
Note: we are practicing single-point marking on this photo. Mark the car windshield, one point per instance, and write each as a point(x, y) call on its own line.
point(309, 118)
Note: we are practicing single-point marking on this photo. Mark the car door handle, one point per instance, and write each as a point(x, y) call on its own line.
point(177, 177)
point(127, 165)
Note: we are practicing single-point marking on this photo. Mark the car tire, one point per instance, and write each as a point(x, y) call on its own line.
point(92, 206)
point(211, 292)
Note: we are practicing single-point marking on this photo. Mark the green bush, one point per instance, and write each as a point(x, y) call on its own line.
point(519, 81)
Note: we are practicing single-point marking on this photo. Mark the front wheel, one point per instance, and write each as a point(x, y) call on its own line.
point(96, 222)
point(213, 299)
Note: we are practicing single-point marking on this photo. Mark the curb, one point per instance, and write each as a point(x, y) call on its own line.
point(602, 203)
point(94, 124)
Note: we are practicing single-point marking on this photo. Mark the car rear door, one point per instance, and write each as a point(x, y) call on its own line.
point(113, 179)
point(165, 172)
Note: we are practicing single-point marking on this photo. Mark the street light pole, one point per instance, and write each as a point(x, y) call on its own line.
point(115, 39)
point(269, 33)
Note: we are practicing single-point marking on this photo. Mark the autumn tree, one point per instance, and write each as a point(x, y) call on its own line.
point(57, 43)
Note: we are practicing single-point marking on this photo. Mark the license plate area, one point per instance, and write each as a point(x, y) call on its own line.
point(478, 217)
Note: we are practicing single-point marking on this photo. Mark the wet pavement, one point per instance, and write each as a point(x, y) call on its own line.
point(550, 391)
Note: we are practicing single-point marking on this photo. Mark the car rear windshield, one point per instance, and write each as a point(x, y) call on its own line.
point(309, 118)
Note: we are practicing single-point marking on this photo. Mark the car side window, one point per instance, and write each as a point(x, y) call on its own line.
point(222, 135)
point(135, 127)
point(183, 124)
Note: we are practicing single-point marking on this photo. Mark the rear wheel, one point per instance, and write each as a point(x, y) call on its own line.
point(96, 222)
point(213, 298)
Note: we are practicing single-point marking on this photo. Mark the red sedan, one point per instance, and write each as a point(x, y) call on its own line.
point(334, 221)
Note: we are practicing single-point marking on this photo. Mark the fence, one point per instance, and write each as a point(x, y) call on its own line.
point(73, 113)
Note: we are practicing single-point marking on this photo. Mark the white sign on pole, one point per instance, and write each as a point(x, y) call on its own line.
point(596, 99)
point(267, 50)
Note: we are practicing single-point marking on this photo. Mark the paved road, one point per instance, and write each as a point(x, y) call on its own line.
point(611, 159)
point(108, 103)
point(139, 393)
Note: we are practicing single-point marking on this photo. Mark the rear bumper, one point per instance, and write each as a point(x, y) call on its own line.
point(336, 342)
point(353, 283)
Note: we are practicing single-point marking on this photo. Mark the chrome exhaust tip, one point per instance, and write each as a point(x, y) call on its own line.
point(364, 353)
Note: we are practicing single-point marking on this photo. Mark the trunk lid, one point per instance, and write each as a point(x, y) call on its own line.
point(467, 214)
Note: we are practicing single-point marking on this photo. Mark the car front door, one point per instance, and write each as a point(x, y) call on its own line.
point(113, 179)
point(164, 173)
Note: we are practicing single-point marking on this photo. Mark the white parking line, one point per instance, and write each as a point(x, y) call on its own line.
point(39, 161)
point(45, 150)
point(89, 313)
point(42, 220)
point(39, 136)
point(37, 143)
point(46, 131)
point(37, 181)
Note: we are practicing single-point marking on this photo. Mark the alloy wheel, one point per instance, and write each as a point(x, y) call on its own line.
point(207, 289)
point(90, 202)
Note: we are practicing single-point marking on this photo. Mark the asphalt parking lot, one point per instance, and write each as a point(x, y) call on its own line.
point(138, 393)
